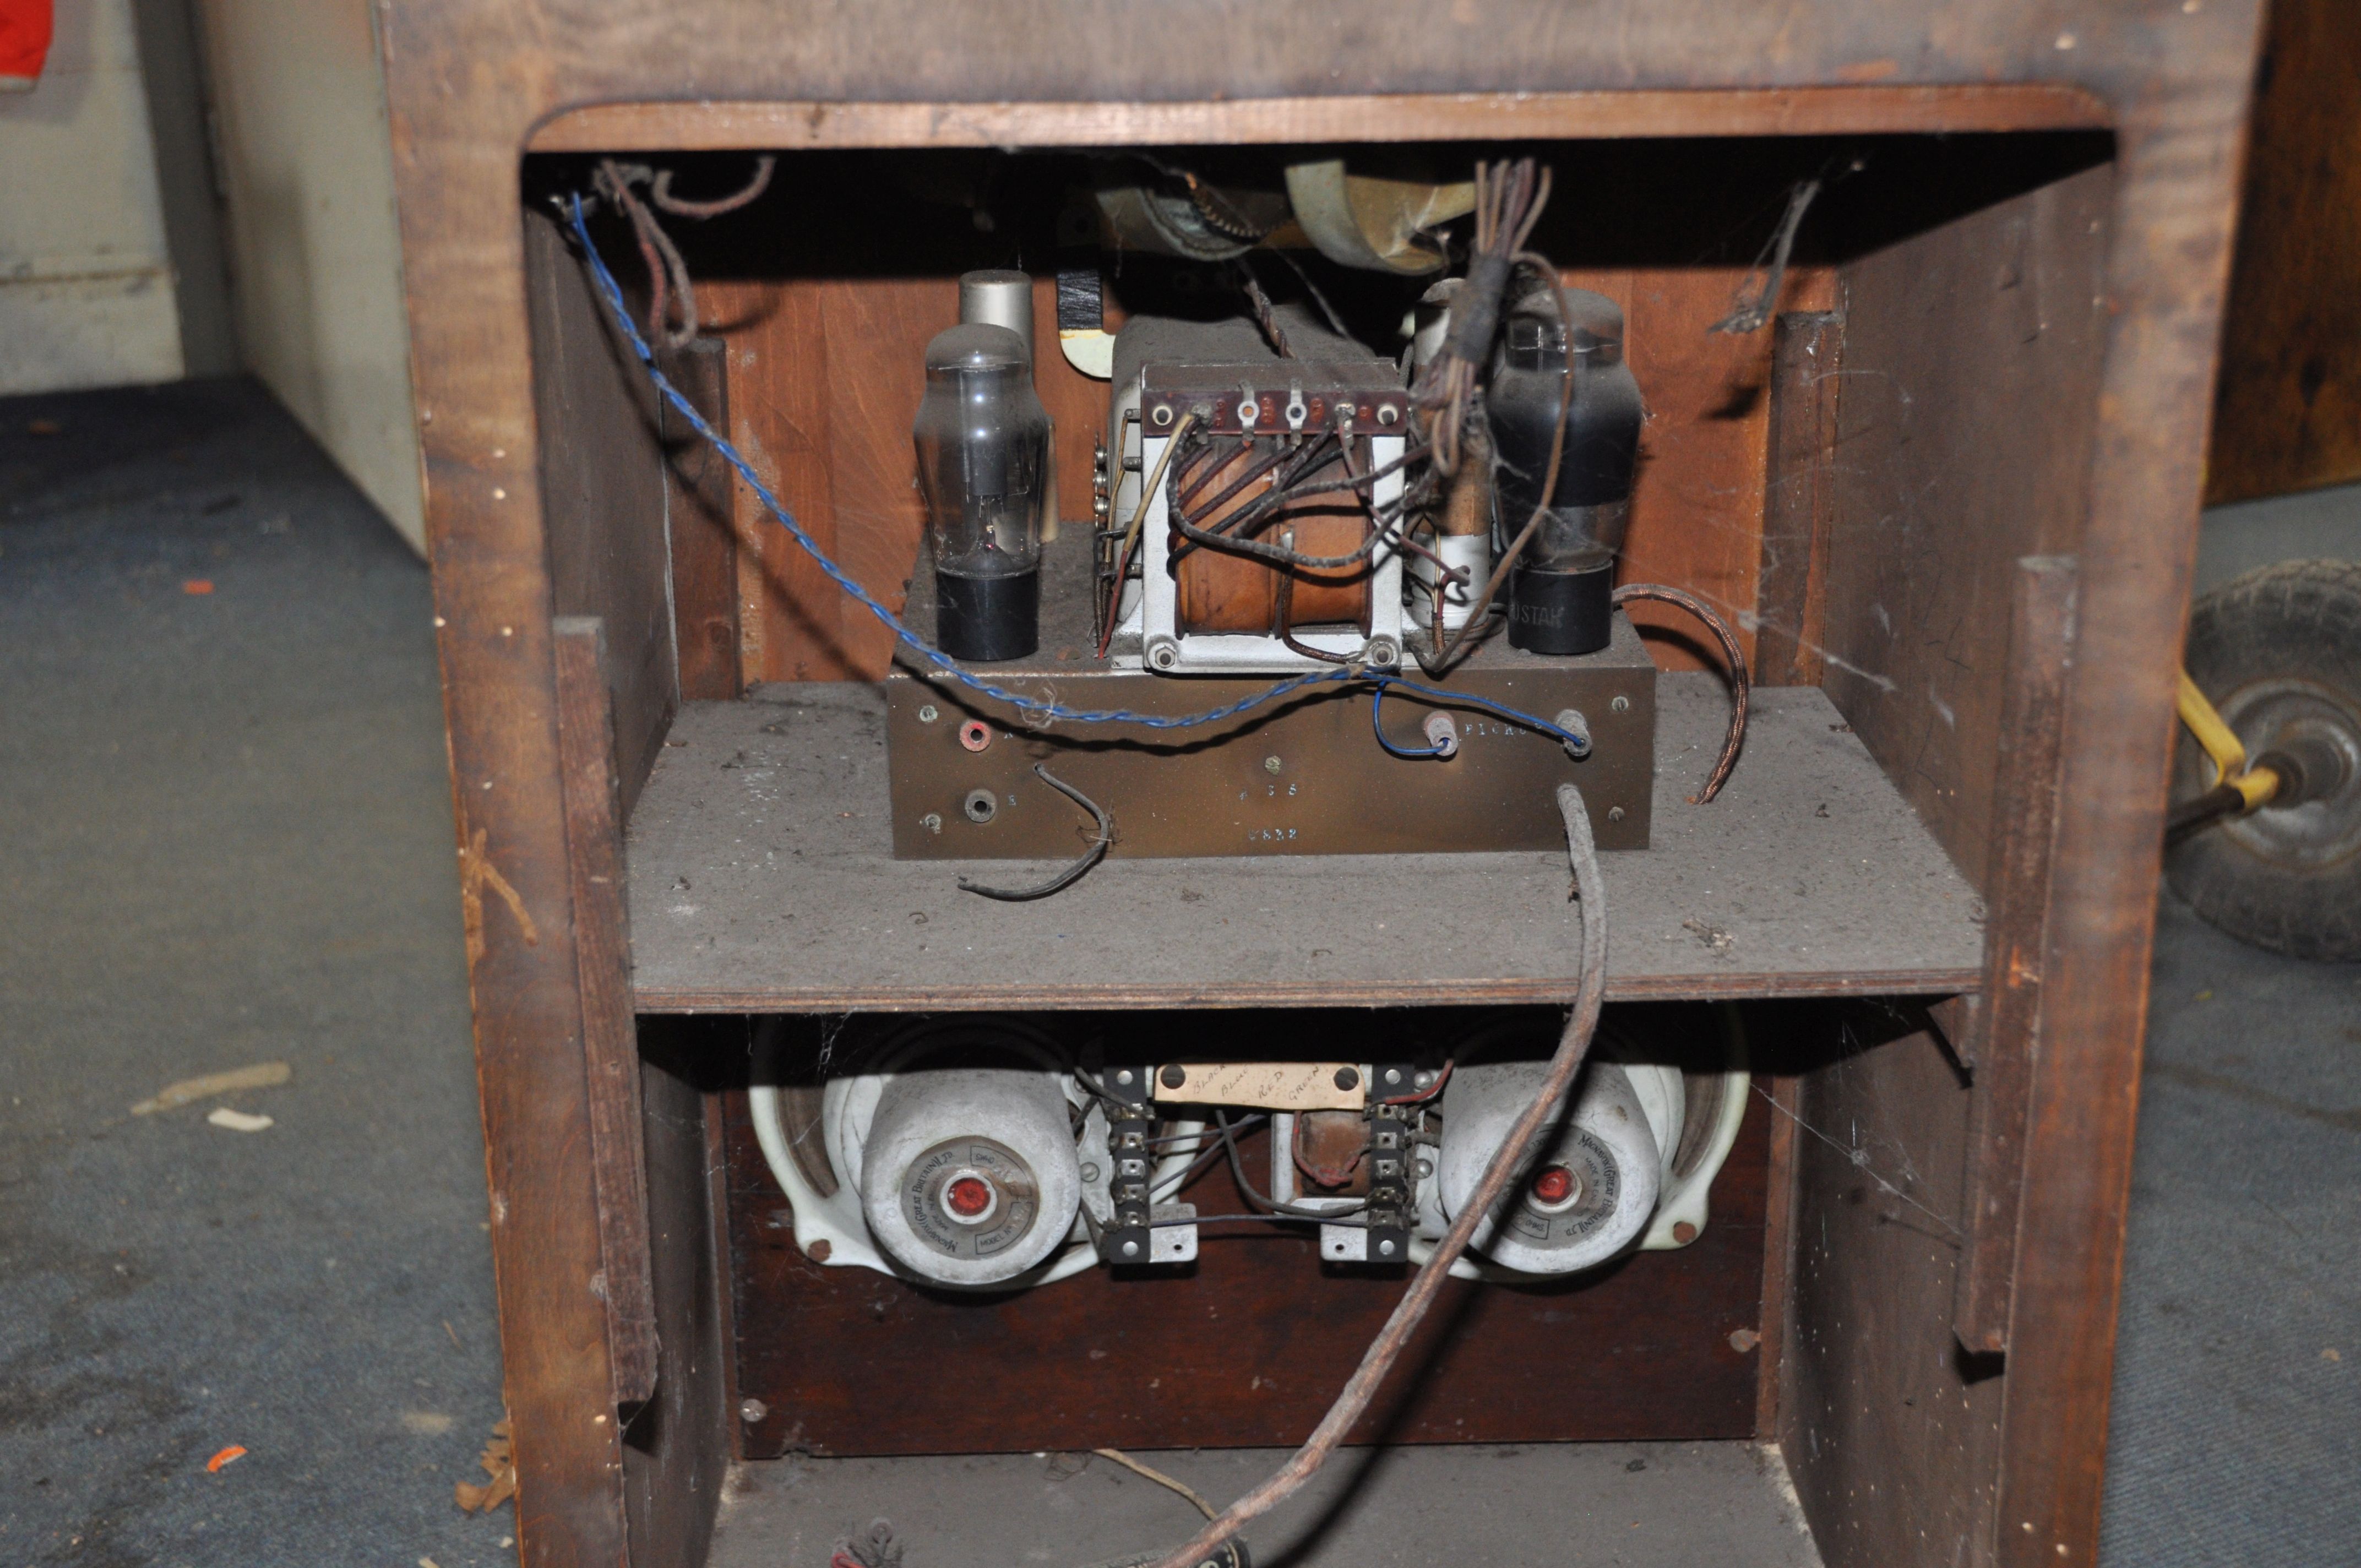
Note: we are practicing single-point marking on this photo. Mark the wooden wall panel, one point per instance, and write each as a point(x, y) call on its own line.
point(677, 1446)
point(2287, 409)
point(1965, 431)
point(1890, 1432)
point(825, 374)
point(603, 483)
point(1697, 516)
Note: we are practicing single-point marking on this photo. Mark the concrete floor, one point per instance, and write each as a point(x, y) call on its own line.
point(224, 839)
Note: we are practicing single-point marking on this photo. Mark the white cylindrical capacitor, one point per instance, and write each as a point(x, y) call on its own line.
point(969, 1175)
point(1582, 1199)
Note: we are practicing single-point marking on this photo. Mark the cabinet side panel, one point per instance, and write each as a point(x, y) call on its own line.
point(1964, 440)
point(603, 479)
point(1892, 1434)
point(677, 1446)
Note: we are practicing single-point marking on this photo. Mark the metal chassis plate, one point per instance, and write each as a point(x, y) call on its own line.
point(1301, 776)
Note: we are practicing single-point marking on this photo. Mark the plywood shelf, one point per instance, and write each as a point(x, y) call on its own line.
point(762, 881)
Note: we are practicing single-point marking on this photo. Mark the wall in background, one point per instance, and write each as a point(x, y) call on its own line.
point(305, 163)
point(87, 293)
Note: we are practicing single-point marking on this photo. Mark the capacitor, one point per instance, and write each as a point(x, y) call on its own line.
point(969, 1175)
point(1587, 1193)
point(1560, 594)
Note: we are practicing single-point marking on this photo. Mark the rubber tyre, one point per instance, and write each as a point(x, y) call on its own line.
point(2293, 630)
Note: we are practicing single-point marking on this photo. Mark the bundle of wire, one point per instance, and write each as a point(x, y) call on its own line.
point(1037, 711)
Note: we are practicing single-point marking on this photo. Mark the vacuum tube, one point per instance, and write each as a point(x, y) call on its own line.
point(1559, 598)
point(982, 440)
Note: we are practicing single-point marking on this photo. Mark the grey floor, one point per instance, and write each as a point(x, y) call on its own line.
point(224, 839)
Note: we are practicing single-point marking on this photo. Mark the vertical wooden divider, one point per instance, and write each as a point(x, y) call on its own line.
point(2004, 1035)
point(594, 839)
point(1791, 598)
point(702, 534)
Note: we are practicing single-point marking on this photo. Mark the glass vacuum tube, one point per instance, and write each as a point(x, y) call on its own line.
point(1559, 599)
point(982, 440)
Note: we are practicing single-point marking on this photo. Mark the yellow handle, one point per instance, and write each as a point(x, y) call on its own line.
point(2255, 785)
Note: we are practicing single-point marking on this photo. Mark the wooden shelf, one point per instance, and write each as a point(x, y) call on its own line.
point(760, 880)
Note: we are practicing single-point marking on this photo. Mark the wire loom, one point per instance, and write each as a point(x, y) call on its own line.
point(1036, 711)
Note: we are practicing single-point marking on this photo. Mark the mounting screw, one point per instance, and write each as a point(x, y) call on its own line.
point(1270, 764)
point(1175, 1076)
point(1614, 814)
point(1620, 705)
point(1163, 654)
point(1384, 652)
point(1348, 1078)
point(753, 1410)
point(932, 822)
point(927, 715)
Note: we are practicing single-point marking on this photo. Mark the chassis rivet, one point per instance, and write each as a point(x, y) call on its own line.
point(752, 1409)
point(932, 822)
point(926, 714)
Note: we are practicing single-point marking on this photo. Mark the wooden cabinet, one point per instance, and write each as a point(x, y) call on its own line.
point(1949, 491)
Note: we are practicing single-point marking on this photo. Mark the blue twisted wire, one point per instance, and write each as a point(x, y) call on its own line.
point(1037, 707)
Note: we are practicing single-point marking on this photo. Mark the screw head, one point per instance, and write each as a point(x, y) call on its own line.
point(753, 1410)
point(1270, 764)
point(1346, 1078)
point(1614, 814)
point(1175, 1076)
point(1090, 1173)
point(926, 714)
